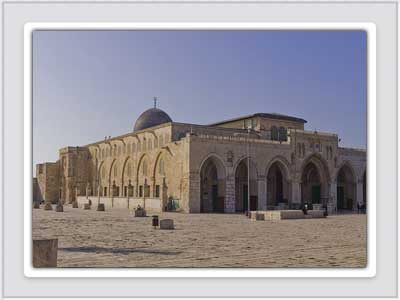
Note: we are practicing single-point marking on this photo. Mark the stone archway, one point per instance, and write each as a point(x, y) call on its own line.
point(242, 186)
point(212, 185)
point(315, 182)
point(277, 185)
point(346, 188)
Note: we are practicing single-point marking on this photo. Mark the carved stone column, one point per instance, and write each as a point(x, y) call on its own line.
point(230, 195)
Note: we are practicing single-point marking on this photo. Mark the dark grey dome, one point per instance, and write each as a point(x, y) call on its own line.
point(151, 117)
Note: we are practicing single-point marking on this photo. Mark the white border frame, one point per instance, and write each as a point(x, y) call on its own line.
point(369, 271)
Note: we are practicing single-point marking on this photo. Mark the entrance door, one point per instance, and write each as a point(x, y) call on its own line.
point(245, 195)
point(340, 197)
point(316, 194)
point(214, 197)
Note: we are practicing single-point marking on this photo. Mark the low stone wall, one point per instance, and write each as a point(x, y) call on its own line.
point(150, 204)
point(271, 215)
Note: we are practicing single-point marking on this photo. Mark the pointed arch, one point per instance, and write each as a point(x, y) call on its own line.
point(278, 181)
point(212, 184)
point(245, 195)
point(218, 161)
point(346, 164)
point(253, 165)
point(346, 192)
point(283, 163)
point(315, 180)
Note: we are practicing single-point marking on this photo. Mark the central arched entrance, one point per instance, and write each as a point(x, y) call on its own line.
point(315, 182)
point(212, 187)
point(346, 188)
point(277, 186)
point(242, 186)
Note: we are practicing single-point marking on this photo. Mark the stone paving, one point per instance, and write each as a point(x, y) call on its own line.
point(115, 238)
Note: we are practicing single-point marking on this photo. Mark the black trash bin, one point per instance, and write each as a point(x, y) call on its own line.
point(155, 221)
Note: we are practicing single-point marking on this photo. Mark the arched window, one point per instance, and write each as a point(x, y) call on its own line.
point(282, 134)
point(103, 172)
point(144, 146)
point(144, 168)
point(115, 171)
point(102, 153)
point(119, 150)
point(161, 141)
point(128, 169)
point(274, 133)
point(161, 167)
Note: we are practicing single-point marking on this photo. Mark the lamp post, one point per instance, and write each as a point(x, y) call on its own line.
point(248, 171)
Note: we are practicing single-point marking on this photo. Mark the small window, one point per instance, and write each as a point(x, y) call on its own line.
point(105, 191)
point(274, 133)
point(282, 134)
point(147, 191)
point(157, 191)
point(161, 167)
point(141, 191)
point(144, 168)
point(119, 150)
point(128, 169)
point(144, 146)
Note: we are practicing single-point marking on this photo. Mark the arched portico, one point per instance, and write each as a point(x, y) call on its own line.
point(212, 185)
point(242, 181)
point(315, 181)
point(346, 188)
point(278, 186)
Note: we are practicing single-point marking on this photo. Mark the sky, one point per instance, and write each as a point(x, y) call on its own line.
point(92, 84)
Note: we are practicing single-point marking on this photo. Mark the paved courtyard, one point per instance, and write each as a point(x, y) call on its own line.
point(115, 238)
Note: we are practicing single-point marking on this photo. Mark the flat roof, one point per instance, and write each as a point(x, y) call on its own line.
point(263, 115)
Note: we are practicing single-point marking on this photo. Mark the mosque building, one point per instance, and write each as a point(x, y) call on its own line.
point(266, 161)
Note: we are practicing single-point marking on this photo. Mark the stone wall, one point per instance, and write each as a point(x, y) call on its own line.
point(48, 181)
point(150, 204)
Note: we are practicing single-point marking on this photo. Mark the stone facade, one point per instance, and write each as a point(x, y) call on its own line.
point(204, 168)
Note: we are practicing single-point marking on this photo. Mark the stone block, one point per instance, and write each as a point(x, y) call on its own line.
point(167, 224)
point(48, 206)
point(316, 213)
point(100, 207)
point(36, 204)
point(45, 253)
point(75, 204)
point(86, 206)
point(59, 208)
point(140, 213)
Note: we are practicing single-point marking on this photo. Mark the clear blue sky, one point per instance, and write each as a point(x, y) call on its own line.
point(89, 84)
